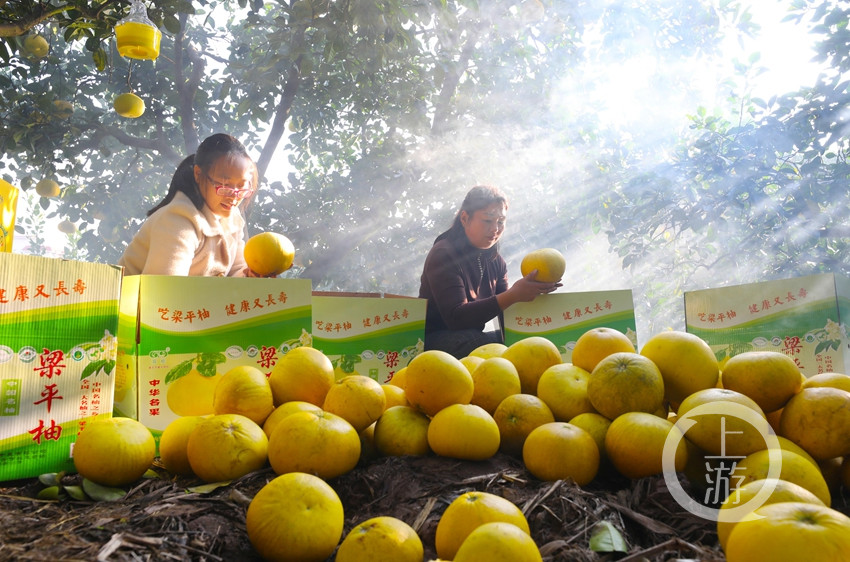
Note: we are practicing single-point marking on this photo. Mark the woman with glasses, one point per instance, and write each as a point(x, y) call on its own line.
point(198, 229)
point(465, 279)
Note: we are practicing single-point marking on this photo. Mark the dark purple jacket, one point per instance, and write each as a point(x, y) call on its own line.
point(459, 296)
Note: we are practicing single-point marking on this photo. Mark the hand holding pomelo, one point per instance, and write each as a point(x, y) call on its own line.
point(269, 254)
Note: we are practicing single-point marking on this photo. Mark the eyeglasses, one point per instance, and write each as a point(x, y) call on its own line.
point(224, 190)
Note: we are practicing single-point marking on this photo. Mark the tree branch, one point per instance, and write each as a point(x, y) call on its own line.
point(100, 132)
point(21, 27)
point(450, 83)
point(290, 88)
point(186, 88)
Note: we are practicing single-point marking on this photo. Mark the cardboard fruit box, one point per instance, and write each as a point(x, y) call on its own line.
point(803, 317)
point(179, 335)
point(58, 324)
point(563, 317)
point(368, 333)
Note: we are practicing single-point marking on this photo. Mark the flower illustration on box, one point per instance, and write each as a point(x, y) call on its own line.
point(828, 337)
point(101, 355)
point(304, 340)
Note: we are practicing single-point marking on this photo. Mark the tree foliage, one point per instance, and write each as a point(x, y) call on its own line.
point(758, 196)
point(370, 119)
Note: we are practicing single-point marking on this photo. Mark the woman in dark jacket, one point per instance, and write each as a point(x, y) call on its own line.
point(465, 279)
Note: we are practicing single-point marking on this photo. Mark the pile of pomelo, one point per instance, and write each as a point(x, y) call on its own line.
point(610, 408)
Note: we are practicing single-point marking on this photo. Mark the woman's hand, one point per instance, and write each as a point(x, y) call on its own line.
point(525, 290)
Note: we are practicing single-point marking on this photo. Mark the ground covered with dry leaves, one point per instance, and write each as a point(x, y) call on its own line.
point(160, 520)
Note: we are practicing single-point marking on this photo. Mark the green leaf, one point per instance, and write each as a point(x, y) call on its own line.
point(99, 58)
point(207, 488)
point(102, 493)
point(51, 478)
point(605, 537)
point(51, 493)
point(93, 368)
point(178, 371)
point(151, 474)
point(172, 24)
point(76, 492)
point(207, 363)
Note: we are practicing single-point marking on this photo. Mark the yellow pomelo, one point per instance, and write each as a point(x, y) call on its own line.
point(494, 380)
point(305, 374)
point(296, 517)
point(597, 426)
point(635, 444)
point(192, 394)
point(174, 442)
point(435, 379)
point(368, 450)
point(549, 263)
point(788, 445)
point(625, 382)
point(790, 531)
point(795, 469)
point(317, 443)
point(129, 105)
point(596, 344)
point(48, 188)
point(269, 253)
point(227, 446)
point(831, 380)
point(782, 491)
point(770, 378)
point(531, 356)
point(114, 451)
point(471, 362)
point(686, 363)
point(469, 511)
point(721, 431)
point(559, 450)
point(357, 399)
point(498, 542)
point(244, 390)
point(488, 350)
point(831, 471)
point(36, 46)
point(773, 418)
point(818, 420)
point(381, 538)
point(284, 410)
point(402, 430)
point(398, 378)
point(463, 431)
point(564, 389)
point(394, 396)
point(516, 416)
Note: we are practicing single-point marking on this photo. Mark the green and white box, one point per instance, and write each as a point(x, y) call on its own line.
point(803, 317)
point(190, 331)
point(58, 324)
point(563, 317)
point(368, 334)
